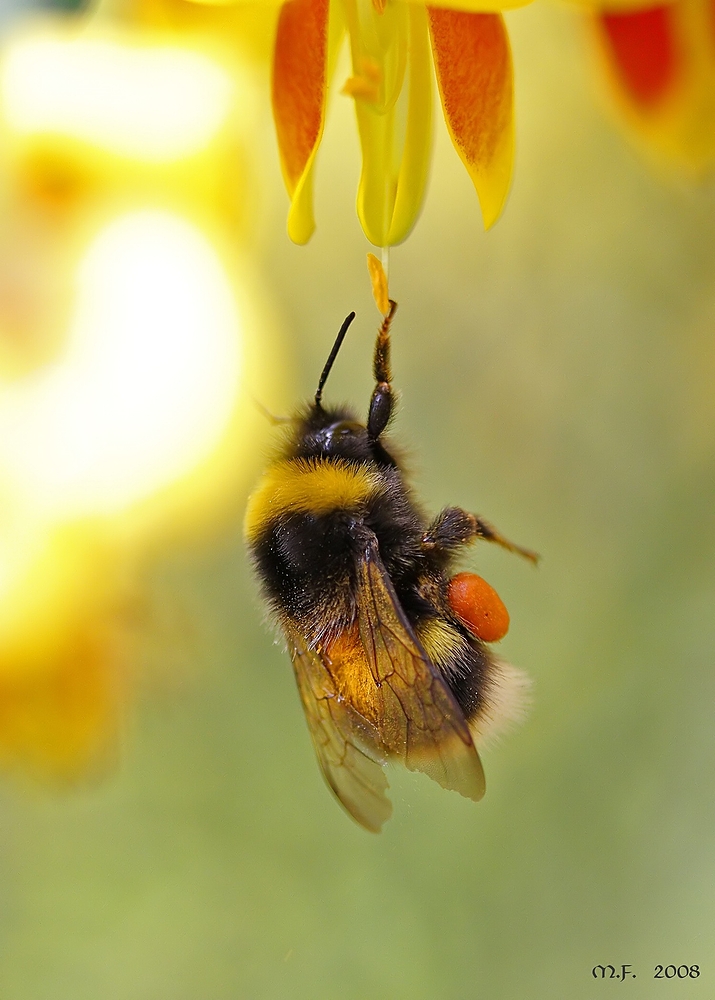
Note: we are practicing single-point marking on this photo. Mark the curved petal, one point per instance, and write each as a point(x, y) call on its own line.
point(490, 6)
point(642, 47)
point(379, 44)
point(300, 85)
point(396, 136)
point(474, 73)
point(414, 166)
point(612, 6)
point(376, 187)
point(661, 64)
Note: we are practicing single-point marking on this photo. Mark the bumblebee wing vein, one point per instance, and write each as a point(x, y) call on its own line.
point(343, 741)
point(421, 722)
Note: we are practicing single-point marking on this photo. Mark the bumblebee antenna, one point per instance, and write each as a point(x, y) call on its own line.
point(331, 357)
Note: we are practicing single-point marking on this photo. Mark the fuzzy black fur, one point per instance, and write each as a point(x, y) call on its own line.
point(308, 562)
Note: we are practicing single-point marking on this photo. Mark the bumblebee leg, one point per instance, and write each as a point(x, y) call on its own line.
point(455, 527)
point(383, 400)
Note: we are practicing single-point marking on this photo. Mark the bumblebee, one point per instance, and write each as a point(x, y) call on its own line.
point(389, 650)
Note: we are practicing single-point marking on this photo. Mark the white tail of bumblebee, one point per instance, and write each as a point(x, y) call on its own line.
point(506, 703)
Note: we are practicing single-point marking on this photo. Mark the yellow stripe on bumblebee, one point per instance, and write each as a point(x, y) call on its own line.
point(316, 487)
point(442, 642)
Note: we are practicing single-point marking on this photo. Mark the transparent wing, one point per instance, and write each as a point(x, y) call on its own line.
point(417, 717)
point(345, 742)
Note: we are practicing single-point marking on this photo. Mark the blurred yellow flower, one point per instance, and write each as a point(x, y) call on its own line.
point(661, 64)
point(130, 339)
point(392, 46)
point(62, 636)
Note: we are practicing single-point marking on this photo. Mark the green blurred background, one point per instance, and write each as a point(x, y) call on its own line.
point(558, 376)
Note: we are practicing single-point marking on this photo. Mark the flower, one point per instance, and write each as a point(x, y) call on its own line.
point(661, 63)
point(391, 45)
point(129, 336)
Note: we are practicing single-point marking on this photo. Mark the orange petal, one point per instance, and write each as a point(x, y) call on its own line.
point(661, 66)
point(300, 83)
point(643, 50)
point(474, 73)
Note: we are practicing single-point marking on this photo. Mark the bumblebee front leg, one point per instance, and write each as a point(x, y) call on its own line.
point(455, 527)
point(383, 400)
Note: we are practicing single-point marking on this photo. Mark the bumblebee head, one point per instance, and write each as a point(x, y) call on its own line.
point(331, 433)
point(335, 432)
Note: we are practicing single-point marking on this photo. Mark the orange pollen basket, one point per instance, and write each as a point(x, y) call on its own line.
point(478, 607)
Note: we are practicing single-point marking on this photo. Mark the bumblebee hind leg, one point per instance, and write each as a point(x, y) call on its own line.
point(454, 527)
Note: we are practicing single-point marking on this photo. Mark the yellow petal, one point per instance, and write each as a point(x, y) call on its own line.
point(378, 48)
point(613, 6)
point(487, 6)
point(376, 193)
point(414, 167)
point(474, 74)
point(395, 134)
point(300, 84)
